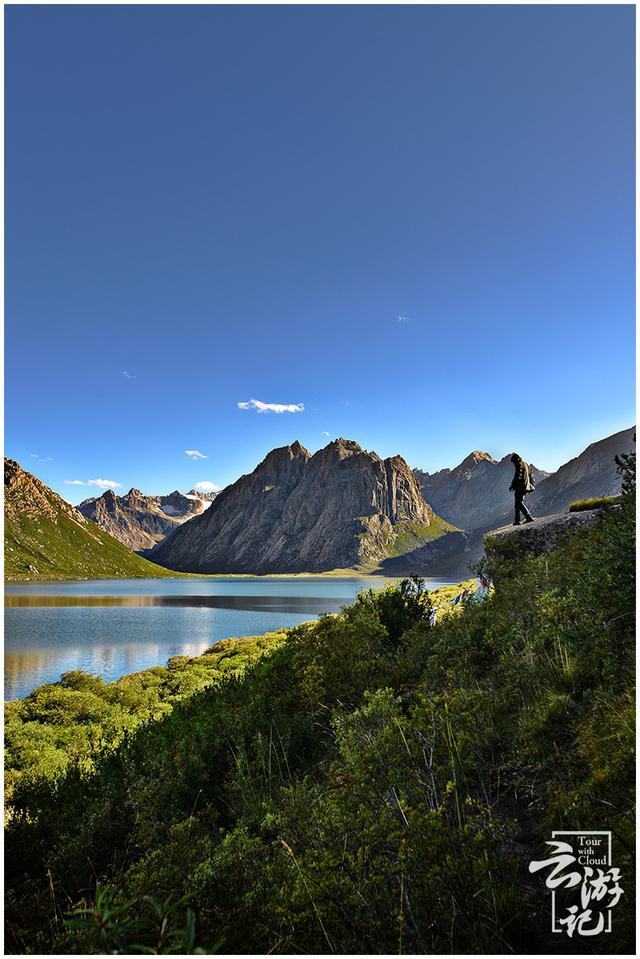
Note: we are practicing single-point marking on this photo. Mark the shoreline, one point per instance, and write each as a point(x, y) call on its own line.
point(329, 574)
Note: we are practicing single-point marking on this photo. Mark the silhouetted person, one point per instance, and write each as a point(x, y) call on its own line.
point(521, 484)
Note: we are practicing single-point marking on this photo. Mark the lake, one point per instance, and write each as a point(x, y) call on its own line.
point(114, 627)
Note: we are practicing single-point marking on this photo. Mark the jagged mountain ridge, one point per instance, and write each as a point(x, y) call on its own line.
point(140, 522)
point(45, 537)
point(473, 494)
point(341, 507)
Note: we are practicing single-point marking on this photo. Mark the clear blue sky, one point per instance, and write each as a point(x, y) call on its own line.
point(416, 222)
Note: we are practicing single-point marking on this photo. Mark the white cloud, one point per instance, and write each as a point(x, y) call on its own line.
point(196, 454)
point(272, 407)
point(104, 483)
point(403, 319)
point(128, 376)
point(324, 433)
point(75, 483)
point(207, 487)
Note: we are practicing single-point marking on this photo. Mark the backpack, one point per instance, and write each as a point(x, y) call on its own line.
point(530, 479)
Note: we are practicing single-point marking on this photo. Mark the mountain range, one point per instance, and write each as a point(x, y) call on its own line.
point(141, 522)
point(340, 508)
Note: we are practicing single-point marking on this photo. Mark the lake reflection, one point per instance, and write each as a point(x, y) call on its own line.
point(114, 627)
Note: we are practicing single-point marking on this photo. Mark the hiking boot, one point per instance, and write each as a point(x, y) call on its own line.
point(517, 523)
point(530, 520)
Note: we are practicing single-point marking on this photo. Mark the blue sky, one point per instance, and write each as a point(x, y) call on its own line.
point(417, 223)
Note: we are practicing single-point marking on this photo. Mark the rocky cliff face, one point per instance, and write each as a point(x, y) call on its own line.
point(341, 507)
point(475, 494)
point(141, 522)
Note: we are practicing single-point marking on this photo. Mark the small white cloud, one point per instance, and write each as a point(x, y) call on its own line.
point(128, 376)
point(75, 483)
point(324, 433)
point(33, 456)
point(207, 487)
point(104, 483)
point(272, 407)
point(196, 454)
point(403, 319)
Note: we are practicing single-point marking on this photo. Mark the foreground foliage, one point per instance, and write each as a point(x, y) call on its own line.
point(368, 783)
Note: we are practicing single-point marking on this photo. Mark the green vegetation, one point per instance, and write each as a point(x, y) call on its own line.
point(74, 721)
point(412, 536)
point(363, 783)
point(596, 502)
point(40, 547)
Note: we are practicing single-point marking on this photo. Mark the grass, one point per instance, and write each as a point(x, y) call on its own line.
point(596, 502)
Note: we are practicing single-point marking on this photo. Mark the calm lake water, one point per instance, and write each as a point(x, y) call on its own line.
point(114, 627)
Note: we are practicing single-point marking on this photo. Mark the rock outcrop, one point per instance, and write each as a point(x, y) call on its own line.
point(141, 522)
point(343, 507)
point(542, 535)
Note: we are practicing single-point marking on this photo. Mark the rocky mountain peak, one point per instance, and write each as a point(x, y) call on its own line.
point(347, 447)
point(474, 459)
point(199, 494)
point(282, 454)
point(25, 493)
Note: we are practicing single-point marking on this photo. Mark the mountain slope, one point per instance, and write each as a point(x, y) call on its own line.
point(475, 493)
point(141, 522)
point(46, 538)
point(592, 473)
point(342, 507)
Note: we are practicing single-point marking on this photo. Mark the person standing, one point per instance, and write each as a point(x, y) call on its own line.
point(521, 484)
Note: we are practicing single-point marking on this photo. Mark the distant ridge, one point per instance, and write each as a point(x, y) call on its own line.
point(141, 522)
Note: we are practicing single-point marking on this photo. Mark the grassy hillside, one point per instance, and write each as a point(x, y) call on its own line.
point(370, 783)
point(45, 538)
point(411, 536)
point(41, 548)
